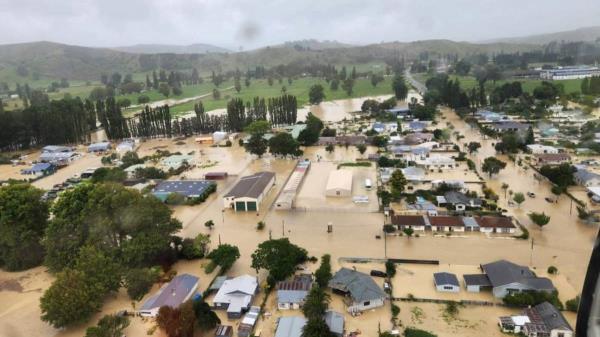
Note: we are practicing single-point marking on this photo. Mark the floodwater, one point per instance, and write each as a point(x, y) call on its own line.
point(565, 243)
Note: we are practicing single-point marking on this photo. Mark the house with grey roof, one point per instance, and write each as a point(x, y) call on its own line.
point(361, 291)
point(586, 178)
point(541, 320)
point(248, 322)
point(446, 282)
point(459, 201)
point(335, 322)
point(292, 293)
point(173, 294)
point(249, 192)
point(505, 278)
point(290, 326)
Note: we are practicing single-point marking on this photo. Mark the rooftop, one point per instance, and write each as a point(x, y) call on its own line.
point(188, 188)
point(445, 279)
point(173, 293)
point(503, 272)
point(290, 326)
point(360, 286)
point(251, 186)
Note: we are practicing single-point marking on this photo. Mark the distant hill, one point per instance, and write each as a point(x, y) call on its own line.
point(312, 44)
point(54, 60)
point(586, 34)
point(196, 48)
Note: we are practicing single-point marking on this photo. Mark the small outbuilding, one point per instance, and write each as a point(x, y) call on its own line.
point(339, 183)
point(477, 282)
point(290, 326)
point(99, 147)
point(224, 331)
point(446, 282)
point(40, 169)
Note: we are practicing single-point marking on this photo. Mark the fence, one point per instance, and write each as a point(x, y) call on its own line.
point(439, 301)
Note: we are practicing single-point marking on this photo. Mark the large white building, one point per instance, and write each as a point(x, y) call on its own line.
point(339, 183)
point(569, 73)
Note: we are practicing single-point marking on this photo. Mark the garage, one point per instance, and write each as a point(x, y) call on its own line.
point(241, 206)
point(251, 206)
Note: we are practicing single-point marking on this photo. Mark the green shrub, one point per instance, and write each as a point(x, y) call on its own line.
point(552, 270)
point(573, 304)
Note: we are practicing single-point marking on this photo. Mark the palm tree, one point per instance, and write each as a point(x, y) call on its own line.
point(504, 187)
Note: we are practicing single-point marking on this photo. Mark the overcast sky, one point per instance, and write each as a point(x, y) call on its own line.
point(249, 24)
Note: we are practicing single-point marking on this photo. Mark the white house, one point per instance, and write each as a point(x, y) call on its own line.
point(539, 149)
point(446, 282)
point(436, 162)
point(236, 295)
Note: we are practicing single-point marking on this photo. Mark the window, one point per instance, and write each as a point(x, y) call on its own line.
point(448, 288)
point(367, 303)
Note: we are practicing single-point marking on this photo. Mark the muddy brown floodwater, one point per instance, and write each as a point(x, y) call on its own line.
point(565, 243)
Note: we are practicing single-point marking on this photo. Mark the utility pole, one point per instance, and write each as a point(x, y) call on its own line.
point(282, 227)
point(384, 244)
point(219, 239)
point(531, 254)
point(571, 207)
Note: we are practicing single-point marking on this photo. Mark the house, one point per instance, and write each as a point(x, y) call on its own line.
point(446, 224)
point(40, 169)
point(551, 158)
point(470, 224)
point(506, 126)
point(248, 322)
point(417, 138)
point(541, 320)
point(99, 147)
point(218, 136)
point(423, 206)
point(414, 222)
point(586, 178)
point(56, 149)
point(415, 126)
point(540, 149)
point(413, 174)
point(436, 162)
point(236, 295)
point(291, 326)
point(477, 282)
point(127, 145)
point(495, 224)
point(399, 112)
point(364, 293)
point(378, 127)
point(385, 173)
point(459, 201)
point(58, 158)
point(249, 192)
point(131, 170)
point(446, 282)
point(339, 183)
point(505, 277)
point(295, 130)
point(187, 188)
point(180, 289)
point(490, 116)
point(224, 331)
point(176, 161)
point(335, 322)
point(291, 294)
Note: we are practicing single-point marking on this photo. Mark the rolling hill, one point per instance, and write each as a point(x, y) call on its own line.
point(586, 34)
point(196, 48)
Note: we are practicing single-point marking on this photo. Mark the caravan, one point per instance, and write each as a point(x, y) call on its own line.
point(368, 184)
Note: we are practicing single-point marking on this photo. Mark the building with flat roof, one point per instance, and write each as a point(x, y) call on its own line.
point(173, 294)
point(187, 188)
point(58, 158)
point(569, 72)
point(249, 192)
point(339, 183)
point(56, 149)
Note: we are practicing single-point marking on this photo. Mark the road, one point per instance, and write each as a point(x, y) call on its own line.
point(421, 88)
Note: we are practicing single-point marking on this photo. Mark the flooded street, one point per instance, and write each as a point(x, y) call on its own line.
point(564, 242)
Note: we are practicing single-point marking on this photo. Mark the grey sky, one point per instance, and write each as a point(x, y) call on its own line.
point(235, 23)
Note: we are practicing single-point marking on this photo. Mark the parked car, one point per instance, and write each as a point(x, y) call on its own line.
point(531, 194)
point(378, 273)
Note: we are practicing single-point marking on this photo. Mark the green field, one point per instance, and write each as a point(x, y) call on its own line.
point(469, 82)
point(298, 88)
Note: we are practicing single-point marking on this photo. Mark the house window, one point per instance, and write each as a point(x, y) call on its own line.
point(447, 288)
point(367, 303)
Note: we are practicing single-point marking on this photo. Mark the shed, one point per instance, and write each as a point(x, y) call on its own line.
point(339, 183)
point(224, 331)
point(218, 136)
point(99, 147)
point(290, 326)
point(446, 282)
point(477, 282)
point(335, 322)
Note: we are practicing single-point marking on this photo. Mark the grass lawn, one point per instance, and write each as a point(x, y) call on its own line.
point(298, 88)
point(469, 82)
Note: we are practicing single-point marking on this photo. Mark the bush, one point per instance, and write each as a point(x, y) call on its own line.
point(573, 304)
point(389, 228)
point(413, 332)
point(260, 225)
point(189, 250)
point(531, 298)
point(552, 270)
point(390, 268)
point(175, 199)
point(143, 99)
point(395, 310)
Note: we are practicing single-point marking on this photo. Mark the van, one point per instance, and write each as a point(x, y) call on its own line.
point(368, 184)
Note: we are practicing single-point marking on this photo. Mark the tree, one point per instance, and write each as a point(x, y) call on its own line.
point(130, 158)
point(376, 79)
point(361, 148)
point(216, 94)
point(316, 328)
point(206, 318)
point(70, 299)
point(414, 332)
point(492, 165)
point(399, 86)
point(329, 148)
point(209, 224)
point(408, 231)
point(259, 127)
point(109, 174)
point(316, 303)
point(348, 85)
point(552, 270)
point(101, 271)
point(518, 198)
point(23, 220)
point(164, 89)
point(379, 141)
point(573, 304)
point(316, 94)
point(390, 268)
point(108, 326)
point(398, 183)
point(224, 256)
point(473, 147)
point(505, 188)
point(257, 145)
point(279, 257)
point(138, 282)
point(310, 134)
point(177, 322)
point(284, 144)
point(323, 274)
point(238, 86)
point(540, 219)
point(260, 225)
